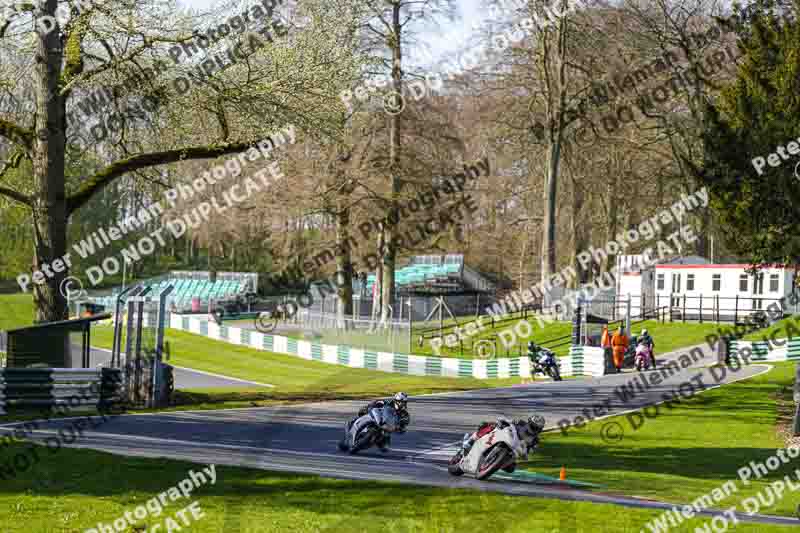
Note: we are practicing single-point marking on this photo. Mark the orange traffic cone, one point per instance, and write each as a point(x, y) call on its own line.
point(563, 475)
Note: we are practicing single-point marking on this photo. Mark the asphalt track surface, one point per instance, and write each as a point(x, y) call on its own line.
point(185, 378)
point(303, 438)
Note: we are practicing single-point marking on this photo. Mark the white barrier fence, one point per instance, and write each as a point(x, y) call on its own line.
point(774, 350)
point(582, 360)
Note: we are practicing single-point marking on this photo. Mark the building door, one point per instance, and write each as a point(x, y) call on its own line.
point(758, 290)
point(675, 300)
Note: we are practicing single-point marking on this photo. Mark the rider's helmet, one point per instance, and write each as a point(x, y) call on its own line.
point(400, 400)
point(643, 333)
point(530, 427)
point(536, 423)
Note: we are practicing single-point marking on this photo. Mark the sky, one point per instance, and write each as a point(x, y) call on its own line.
point(441, 43)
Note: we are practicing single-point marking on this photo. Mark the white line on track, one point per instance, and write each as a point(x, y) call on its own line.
point(222, 376)
point(201, 372)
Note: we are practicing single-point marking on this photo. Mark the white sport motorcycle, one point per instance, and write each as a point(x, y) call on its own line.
point(370, 429)
point(499, 448)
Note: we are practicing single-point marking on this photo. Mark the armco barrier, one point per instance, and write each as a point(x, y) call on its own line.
point(417, 365)
point(776, 350)
point(54, 388)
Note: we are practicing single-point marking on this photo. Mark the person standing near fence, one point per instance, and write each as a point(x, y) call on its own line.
point(605, 343)
point(619, 344)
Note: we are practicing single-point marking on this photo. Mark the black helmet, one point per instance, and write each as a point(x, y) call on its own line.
point(536, 423)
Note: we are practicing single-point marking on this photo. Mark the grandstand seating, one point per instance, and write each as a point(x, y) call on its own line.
point(417, 274)
point(185, 290)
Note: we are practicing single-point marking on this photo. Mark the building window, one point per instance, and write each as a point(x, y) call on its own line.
point(716, 282)
point(690, 282)
point(773, 282)
point(660, 282)
point(743, 283)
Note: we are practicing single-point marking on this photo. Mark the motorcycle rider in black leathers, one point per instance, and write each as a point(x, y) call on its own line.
point(399, 401)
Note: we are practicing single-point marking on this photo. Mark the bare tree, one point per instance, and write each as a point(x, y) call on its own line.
point(75, 55)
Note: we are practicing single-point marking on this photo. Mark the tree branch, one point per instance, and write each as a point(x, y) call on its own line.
point(15, 133)
point(14, 195)
point(107, 175)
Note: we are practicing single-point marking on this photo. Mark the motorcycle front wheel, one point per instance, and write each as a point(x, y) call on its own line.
point(452, 466)
point(556, 374)
point(363, 440)
point(497, 456)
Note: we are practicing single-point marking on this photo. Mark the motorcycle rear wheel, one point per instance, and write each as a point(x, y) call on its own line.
point(497, 456)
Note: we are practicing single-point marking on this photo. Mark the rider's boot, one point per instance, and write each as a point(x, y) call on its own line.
point(343, 444)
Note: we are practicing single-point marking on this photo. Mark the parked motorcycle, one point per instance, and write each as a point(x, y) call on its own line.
point(370, 429)
point(643, 357)
point(544, 361)
point(500, 448)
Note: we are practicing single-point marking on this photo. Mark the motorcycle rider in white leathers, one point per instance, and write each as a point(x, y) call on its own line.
point(528, 430)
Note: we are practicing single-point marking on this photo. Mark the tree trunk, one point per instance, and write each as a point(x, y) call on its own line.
point(701, 245)
point(344, 264)
point(377, 286)
point(796, 426)
point(578, 240)
point(389, 253)
point(555, 137)
point(613, 215)
point(49, 202)
point(549, 236)
point(523, 253)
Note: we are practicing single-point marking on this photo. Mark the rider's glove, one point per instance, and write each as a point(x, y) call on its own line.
point(404, 421)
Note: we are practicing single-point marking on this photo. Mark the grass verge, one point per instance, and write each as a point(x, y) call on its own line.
point(786, 328)
point(73, 490)
point(295, 379)
point(16, 311)
point(682, 453)
point(668, 336)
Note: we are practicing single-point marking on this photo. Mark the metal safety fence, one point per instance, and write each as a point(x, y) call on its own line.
point(363, 333)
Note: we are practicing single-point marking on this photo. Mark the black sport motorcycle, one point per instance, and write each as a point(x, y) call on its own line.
point(370, 429)
point(544, 361)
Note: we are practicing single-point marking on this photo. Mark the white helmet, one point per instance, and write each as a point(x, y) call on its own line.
point(644, 332)
point(400, 400)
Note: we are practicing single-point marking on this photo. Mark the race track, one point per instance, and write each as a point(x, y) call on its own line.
point(185, 378)
point(302, 438)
